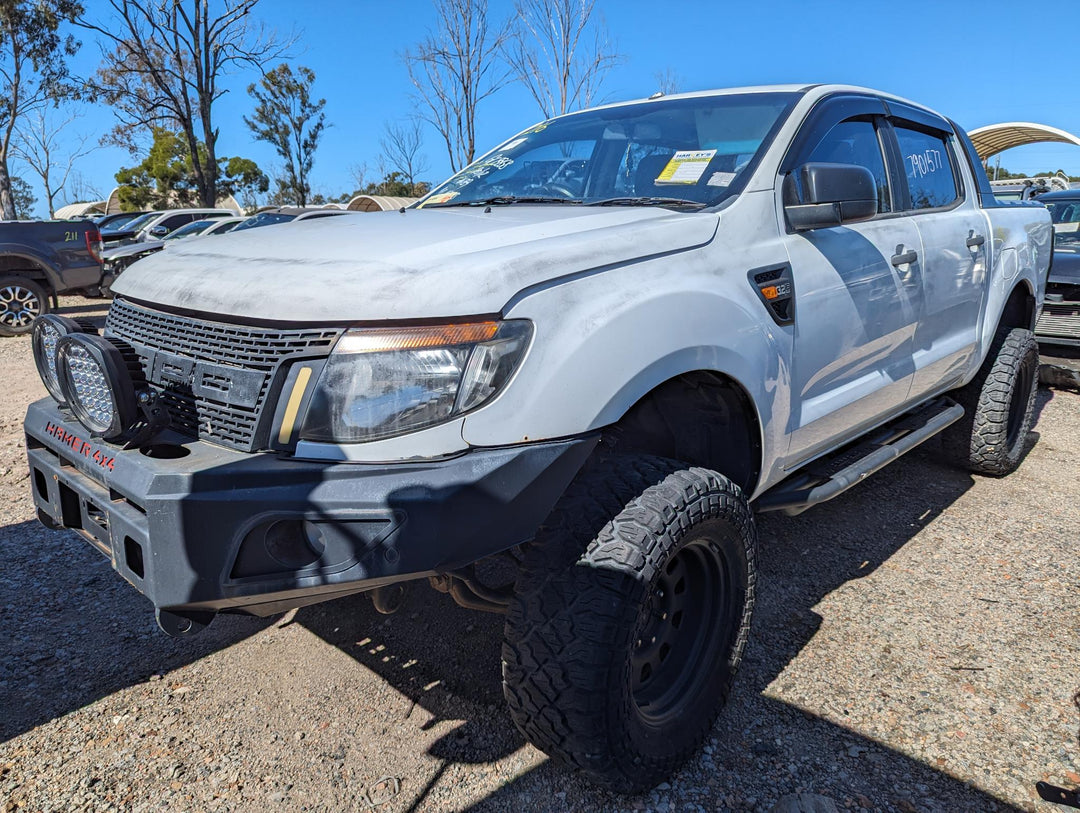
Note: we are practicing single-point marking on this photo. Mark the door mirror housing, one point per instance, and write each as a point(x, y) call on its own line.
point(823, 195)
point(159, 231)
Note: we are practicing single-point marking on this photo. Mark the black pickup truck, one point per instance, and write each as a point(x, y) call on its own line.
point(39, 260)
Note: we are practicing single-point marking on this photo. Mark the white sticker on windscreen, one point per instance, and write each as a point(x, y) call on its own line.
point(720, 179)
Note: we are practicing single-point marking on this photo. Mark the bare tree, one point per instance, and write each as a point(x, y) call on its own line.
point(40, 148)
point(80, 190)
point(454, 69)
point(163, 59)
point(401, 145)
point(359, 174)
point(560, 53)
point(33, 70)
point(667, 81)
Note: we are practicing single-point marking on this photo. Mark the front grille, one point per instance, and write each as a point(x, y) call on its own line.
point(214, 377)
point(1061, 319)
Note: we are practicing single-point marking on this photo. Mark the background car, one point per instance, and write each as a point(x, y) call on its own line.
point(287, 214)
point(118, 220)
point(1058, 328)
point(155, 225)
point(120, 257)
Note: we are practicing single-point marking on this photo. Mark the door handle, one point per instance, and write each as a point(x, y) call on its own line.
point(975, 241)
point(906, 258)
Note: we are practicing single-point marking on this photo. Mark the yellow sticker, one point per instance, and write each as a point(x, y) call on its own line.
point(686, 167)
point(444, 197)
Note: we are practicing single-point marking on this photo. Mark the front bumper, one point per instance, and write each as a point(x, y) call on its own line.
point(198, 528)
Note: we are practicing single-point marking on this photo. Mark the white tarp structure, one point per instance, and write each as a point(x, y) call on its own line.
point(75, 210)
point(995, 138)
point(378, 203)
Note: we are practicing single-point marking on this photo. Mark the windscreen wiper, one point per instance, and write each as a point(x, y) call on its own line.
point(648, 201)
point(502, 200)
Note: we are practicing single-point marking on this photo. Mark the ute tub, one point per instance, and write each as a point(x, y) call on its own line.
point(200, 529)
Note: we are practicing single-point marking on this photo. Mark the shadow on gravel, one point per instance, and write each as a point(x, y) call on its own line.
point(758, 741)
point(59, 650)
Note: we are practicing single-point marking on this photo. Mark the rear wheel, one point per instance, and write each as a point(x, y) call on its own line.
point(620, 652)
point(22, 300)
point(998, 405)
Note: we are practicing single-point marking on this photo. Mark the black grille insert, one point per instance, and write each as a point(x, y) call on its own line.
point(214, 377)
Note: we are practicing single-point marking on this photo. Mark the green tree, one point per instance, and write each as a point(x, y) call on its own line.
point(166, 60)
point(163, 179)
point(167, 178)
point(243, 179)
point(287, 118)
point(23, 197)
point(398, 186)
point(33, 70)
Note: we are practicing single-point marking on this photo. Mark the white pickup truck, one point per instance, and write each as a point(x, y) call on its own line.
point(591, 355)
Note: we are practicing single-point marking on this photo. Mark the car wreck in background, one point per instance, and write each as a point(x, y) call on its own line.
point(1058, 328)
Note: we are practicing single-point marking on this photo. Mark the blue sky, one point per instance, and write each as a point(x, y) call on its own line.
point(980, 63)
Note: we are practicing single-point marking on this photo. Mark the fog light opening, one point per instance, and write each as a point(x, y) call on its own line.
point(41, 484)
point(293, 543)
point(133, 556)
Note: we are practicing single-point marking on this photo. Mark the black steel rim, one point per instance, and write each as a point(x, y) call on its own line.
point(682, 629)
point(1019, 402)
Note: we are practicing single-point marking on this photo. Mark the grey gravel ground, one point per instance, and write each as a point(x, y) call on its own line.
point(915, 648)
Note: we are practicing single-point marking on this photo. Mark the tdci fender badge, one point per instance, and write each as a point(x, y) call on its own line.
point(80, 446)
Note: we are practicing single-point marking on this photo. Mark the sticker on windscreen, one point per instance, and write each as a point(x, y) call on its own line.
point(685, 167)
point(480, 169)
point(443, 197)
point(720, 179)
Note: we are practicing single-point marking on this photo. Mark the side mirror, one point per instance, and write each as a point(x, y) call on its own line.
point(159, 231)
point(823, 195)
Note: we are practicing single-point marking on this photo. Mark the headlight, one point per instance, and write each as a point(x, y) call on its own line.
point(97, 384)
point(380, 382)
point(48, 331)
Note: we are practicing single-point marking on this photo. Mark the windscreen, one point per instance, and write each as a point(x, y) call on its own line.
point(696, 150)
point(198, 227)
point(264, 219)
point(136, 224)
point(121, 222)
point(1065, 215)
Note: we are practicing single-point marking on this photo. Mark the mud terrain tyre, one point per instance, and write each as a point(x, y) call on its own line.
point(998, 407)
point(629, 620)
point(21, 301)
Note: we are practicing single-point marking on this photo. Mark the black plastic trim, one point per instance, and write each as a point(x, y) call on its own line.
point(198, 507)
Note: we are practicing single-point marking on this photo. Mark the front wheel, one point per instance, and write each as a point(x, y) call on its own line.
point(22, 300)
point(620, 652)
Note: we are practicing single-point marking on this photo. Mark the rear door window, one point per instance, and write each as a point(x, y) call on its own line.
point(927, 159)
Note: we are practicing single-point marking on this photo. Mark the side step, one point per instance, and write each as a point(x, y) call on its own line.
point(831, 476)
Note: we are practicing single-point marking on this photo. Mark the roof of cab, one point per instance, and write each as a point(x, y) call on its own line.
point(815, 91)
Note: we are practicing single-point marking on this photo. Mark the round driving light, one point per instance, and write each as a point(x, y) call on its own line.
point(97, 384)
point(47, 332)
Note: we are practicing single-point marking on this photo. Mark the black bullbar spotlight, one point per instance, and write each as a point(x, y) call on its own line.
point(48, 331)
point(97, 383)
